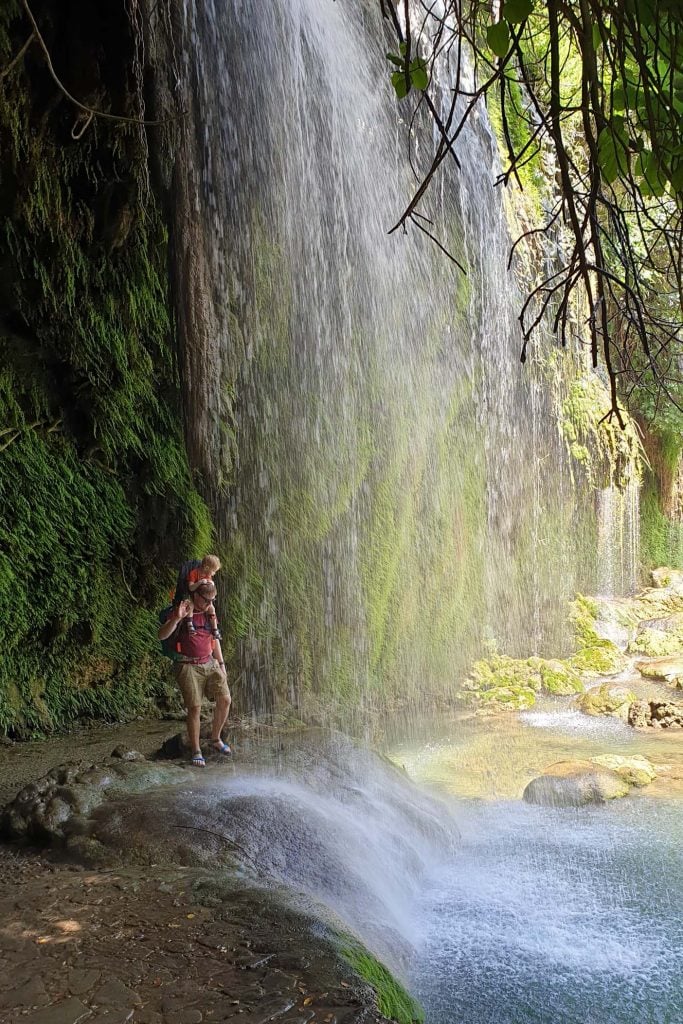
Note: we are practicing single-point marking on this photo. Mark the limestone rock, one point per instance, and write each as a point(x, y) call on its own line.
point(510, 684)
point(671, 579)
point(602, 658)
point(124, 753)
point(636, 770)
point(668, 670)
point(574, 784)
point(639, 715)
point(659, 714)
point(610, 700)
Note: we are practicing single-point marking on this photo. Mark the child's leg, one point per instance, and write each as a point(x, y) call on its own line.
point(213, 621)
point(190, 622)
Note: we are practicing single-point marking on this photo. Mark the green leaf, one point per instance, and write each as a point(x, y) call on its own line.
point(677, 177)
point(418, 74)
point(612, 152)
point(654, 183)
point(618, 99)
point(498, 38)
point(597, 38)
point(398, 80)
point(516, 11)
point(395, 60)
point(403, 49)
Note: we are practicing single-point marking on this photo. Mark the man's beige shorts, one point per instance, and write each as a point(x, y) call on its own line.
point(199, 681)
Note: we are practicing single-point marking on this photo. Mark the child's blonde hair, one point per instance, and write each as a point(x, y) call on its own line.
point(210, 563)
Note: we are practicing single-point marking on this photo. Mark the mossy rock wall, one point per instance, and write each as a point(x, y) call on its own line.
point(97, 497)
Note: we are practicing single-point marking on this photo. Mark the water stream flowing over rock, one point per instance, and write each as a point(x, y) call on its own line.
point(392, 487)
point(340, 832)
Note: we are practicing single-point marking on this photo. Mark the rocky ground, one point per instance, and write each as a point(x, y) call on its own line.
point(153, 945)
point(115, 947)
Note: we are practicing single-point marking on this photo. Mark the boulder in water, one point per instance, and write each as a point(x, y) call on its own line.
point(510, 684)
point(610, 700)
point(659, 714)
point(636, 770)
point(574, 784)
point(668, 670)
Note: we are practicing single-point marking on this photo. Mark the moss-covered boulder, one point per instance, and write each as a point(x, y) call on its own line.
point(601, 659)
point(511, 684)
point(612, 701)
point(667, 670)
point(557, 677)
point(574, 784)
point(656, 643)
point(508, 698)
point(635, 770)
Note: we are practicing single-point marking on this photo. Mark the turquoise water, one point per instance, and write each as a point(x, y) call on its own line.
point(544, 915)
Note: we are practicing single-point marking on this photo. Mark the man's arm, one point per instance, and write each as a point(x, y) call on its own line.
point(177, 614)
point(218, 656)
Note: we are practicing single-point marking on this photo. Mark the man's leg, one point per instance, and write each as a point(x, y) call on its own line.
point(193, 723)
point(220, 716)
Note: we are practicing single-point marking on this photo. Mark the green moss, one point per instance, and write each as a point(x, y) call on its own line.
point(512, 683)
point(601, 659)
point(657, 643)
point(392, 998)
point(95, 487)
point(583, 616)
point(557, 677)
point(661, 539)
point(606, 700)
point(609, 455)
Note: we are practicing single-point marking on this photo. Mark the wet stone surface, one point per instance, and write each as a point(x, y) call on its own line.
point(123, 946)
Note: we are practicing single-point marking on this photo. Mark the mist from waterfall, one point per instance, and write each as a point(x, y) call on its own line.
point(403, 491)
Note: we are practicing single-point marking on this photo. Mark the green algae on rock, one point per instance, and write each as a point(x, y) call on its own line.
point(606, 699)
point(393, 1000)
point(511, 684)
point(636, 769)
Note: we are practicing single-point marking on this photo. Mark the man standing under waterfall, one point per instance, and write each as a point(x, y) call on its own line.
point(200, 669)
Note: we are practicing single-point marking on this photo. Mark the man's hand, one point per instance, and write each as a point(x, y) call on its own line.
point(183, 610)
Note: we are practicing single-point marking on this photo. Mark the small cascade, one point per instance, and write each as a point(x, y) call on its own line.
point(617, 543)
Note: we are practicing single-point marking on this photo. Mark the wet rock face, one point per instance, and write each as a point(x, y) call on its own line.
point(60, 808)
point(575, 784)
point(655, 714)
point(325, 819)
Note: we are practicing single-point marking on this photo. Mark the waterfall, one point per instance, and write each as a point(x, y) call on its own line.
point(392, 485)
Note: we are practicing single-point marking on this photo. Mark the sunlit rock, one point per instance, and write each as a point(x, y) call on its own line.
point(611, 700)
point(668, 670)
point(602, 659)
point(575, 783)
point(658, 714)
point(636, 770)
point(511, 684)
point(671, 579)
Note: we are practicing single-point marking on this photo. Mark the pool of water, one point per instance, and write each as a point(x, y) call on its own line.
point(545, 915)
